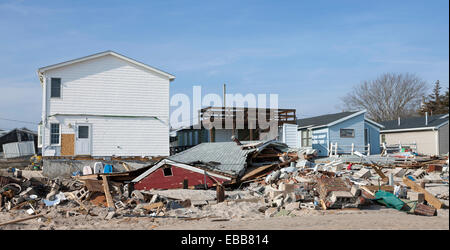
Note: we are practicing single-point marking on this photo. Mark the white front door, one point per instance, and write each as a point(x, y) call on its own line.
point(83, 139)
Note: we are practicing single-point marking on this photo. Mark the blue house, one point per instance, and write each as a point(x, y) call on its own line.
point(341, 133)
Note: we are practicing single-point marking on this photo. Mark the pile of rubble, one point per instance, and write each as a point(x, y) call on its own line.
point(340, 185)
point(285, 185)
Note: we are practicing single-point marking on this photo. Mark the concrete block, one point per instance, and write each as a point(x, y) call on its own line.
point(341, 196)
point(419, 174)
point(292, 206)
point(399, 172)
point(363, 173)
point(355, 191)
point(309, 205)
point(415, 196)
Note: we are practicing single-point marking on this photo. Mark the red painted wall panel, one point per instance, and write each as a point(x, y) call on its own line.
point(157, 180)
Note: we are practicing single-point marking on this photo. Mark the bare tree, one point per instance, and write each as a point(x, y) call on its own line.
point(388, 97)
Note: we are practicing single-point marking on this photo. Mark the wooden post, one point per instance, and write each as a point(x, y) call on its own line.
point(108, 196)
point(220, 193)
point(251, 134)
point(353, 148)
point(211, 135)
point(336, 149)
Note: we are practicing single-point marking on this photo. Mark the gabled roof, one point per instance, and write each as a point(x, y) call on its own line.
point(327, 120)
point(105, 53)
point(416, 123)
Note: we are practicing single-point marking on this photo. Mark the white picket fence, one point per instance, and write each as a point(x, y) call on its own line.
point(18, 149)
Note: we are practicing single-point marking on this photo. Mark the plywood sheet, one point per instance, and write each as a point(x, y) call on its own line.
point(67, 144)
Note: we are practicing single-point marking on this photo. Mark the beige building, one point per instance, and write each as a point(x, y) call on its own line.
point(430, 134)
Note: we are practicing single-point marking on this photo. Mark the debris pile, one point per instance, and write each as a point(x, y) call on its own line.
point(274, 182)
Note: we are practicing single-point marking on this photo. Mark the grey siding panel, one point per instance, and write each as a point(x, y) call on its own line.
point(443, 139)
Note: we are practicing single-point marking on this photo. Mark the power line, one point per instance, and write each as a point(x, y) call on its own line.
point(18, 121)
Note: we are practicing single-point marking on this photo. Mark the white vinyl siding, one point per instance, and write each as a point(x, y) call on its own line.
point(126, 105)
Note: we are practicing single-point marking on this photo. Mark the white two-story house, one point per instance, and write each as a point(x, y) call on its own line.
point(104, 104)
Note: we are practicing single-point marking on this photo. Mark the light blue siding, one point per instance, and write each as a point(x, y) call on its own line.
point(344, 144)
point(374, 138)
point(320, 141)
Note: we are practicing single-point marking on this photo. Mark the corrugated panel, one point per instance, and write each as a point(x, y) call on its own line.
point(231, 158)
point(18, 149)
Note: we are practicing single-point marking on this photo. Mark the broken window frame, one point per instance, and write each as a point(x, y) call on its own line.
point(164, 171)
point(54, 134)
point(343, 133)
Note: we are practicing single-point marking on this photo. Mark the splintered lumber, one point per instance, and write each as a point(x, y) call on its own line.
point(380, 173)
point(108, 196)
point(127, 168)
point(20, 220)
point(435, 202)
point(257, 171)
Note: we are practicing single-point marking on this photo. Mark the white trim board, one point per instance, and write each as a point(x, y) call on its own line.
point(181, 165)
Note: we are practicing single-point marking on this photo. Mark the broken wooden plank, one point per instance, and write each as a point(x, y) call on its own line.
point(109, 199)
point(152, 206)
point(384, 188)
point(20, 220)
point(380, 173)
point(257, 171)
point(435, 202)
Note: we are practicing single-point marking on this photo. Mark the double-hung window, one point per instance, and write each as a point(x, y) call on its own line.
point(55, 88)
point(54, 133)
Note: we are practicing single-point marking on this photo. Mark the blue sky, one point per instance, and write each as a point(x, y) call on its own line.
point(309, 52)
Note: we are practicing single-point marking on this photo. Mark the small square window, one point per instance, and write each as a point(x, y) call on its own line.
point(167, 171)
point(347, 133)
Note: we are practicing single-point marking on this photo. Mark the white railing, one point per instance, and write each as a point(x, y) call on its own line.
point(396, 148)
point(336, 149)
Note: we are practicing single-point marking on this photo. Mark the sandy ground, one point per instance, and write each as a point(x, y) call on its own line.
point(242, 216)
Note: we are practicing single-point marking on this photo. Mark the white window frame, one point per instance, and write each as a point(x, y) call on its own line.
point(59, 140)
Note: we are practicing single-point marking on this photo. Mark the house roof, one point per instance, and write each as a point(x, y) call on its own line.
point(223, 157)
point(417, 123)
point(105, 53)
point(227, 157)
point(326, 120)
